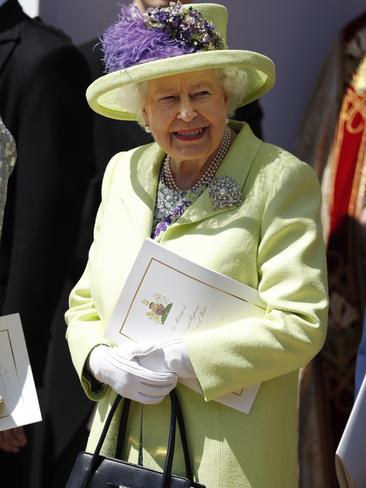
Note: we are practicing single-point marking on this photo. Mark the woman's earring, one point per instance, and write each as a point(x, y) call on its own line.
point(147, 129)
point(226, 121)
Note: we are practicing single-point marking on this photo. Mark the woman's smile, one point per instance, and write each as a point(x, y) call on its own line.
point(190, 135)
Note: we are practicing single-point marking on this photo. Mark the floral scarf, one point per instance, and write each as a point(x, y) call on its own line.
point(170, 205)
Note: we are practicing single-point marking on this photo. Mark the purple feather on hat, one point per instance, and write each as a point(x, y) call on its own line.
point(129, 42)
point(161, 32)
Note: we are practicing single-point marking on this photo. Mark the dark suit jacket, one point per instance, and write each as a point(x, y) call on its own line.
point(43, 79)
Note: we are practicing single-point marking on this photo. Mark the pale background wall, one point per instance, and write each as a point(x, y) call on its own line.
point(296, 34)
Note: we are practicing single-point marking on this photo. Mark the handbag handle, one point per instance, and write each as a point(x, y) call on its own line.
point(177, 412)
point(176, 415)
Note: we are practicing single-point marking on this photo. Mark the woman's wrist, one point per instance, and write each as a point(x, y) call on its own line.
point(89, 373)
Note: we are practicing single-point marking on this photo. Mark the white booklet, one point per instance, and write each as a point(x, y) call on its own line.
point(350, 454)
point(19, 402)
point(167, 296)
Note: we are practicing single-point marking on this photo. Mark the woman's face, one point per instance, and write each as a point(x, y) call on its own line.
point(186, 114)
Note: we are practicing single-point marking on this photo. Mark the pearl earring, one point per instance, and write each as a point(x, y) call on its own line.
point(147, 129)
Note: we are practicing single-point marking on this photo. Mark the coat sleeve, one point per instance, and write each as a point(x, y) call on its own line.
point(85, 327)
point(292, 282)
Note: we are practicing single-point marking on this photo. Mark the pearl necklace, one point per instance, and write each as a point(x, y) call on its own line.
point(210, 171)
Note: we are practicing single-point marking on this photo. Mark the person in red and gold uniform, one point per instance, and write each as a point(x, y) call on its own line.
point(333, 139)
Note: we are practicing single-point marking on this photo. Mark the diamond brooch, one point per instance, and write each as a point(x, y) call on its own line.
point(224, 191)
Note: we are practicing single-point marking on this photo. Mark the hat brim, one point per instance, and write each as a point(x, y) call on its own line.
point(104, 94)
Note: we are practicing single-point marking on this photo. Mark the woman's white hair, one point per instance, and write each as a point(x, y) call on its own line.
point(234, 83)
point(232, 80)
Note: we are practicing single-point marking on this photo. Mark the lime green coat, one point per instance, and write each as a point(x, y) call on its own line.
point(272, 242)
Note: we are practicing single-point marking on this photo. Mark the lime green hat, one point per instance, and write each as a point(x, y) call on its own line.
point(166, 41)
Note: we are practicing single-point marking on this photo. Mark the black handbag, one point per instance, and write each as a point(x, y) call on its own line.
point(96, 471)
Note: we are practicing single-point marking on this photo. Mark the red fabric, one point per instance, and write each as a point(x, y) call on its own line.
point(347, 160)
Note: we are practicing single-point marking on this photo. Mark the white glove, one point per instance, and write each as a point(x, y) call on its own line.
point(168, 356)
point(126, 377)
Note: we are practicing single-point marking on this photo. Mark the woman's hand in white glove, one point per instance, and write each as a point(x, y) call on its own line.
point(112, 366)
point(170, 356)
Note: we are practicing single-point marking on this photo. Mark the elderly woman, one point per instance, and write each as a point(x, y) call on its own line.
point(210, 191)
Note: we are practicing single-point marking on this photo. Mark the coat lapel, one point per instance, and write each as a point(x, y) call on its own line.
point(138, 195)
point(8, 42)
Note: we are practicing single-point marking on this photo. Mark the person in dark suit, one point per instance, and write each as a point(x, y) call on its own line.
point(66, 427)
point(42, 83)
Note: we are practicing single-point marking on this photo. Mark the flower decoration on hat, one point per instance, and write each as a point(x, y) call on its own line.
point(159, 33)
point(188, 27)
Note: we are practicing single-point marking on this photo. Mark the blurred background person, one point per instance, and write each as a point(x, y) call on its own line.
point(42, 82)
point(332, 140)
point(360, 367)
point(13, 439)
